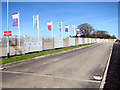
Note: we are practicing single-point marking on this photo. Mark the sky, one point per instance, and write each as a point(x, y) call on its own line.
point(100, 15)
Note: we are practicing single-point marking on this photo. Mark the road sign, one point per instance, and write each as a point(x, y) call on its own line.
point(7, 33)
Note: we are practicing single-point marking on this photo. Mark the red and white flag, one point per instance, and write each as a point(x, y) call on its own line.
point(78, 32)
point(49, 25)
point(7, 33)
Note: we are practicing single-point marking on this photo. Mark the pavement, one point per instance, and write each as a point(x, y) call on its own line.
point(74, 69)
point(113, 75)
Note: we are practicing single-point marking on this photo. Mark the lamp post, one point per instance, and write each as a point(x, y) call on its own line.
point(8, 48)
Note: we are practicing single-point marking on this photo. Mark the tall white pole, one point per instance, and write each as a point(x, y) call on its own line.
point(52, 30)
point(38, 26)
point(61, 33)
point(68, 30)
point(61, 30)
point(19, 28)
point(8, 49)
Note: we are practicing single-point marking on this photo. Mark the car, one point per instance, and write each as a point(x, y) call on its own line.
point(117, 40)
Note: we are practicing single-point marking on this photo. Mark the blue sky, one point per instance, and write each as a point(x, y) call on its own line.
point(100, 15)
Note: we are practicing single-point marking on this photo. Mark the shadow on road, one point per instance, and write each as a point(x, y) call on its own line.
point(113, 75)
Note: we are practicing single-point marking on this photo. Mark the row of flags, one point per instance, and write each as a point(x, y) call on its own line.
point(49, 25)
point(15, 17)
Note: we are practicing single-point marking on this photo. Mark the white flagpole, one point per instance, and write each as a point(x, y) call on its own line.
point(8, 49)
point(61, 30)
point(74, 30)
point(68, 30)
point(52, 30)
point(38, 26)
point(19, 29)
point(38, 29)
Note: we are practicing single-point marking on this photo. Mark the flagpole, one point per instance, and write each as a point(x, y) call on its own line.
point(38, 27)
point(8, 48)
point(52, 30)
point(68, 30)
point(19, 29)
point(61, 31)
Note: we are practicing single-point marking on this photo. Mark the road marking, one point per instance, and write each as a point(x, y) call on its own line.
point(106, 69)
point(51, 61)
point(56, 59)
point(58, 77)
point(44, 87)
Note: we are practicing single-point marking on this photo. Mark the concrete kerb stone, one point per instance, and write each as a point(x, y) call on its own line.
point(35, 58)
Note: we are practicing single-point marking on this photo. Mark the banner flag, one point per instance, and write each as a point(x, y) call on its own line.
point(49, 25)
point(66, 28)
point(73, 27)
point(78, 32)
point(36, 21)
point(60, 26)
point(15, 17)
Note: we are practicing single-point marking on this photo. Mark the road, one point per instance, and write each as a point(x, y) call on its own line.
point(73, 69)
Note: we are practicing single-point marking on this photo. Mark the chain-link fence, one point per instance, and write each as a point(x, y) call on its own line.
point(30, 44)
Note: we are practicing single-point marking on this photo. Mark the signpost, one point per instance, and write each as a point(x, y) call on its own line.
point(7, 33)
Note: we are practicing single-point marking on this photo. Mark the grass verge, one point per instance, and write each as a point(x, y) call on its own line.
point(32, 55)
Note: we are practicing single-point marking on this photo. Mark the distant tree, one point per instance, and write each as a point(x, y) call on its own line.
point(102, 34)
point(113, 37)
point(85, 30)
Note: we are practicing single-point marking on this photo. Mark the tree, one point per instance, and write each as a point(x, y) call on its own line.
point(85, 30)
point(100, 34)
point(113, 37)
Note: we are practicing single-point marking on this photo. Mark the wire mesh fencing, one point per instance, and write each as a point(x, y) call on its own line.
point(28, 44)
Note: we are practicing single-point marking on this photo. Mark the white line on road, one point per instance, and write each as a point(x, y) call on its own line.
point(58, 77)
point(106, 69)
point(51, 61)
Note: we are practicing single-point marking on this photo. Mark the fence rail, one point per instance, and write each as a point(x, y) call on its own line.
point(34, 44)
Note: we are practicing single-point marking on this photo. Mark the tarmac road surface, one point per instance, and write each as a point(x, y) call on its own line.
point(74, 69)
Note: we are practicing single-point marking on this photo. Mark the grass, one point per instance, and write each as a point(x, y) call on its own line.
point(32, 55)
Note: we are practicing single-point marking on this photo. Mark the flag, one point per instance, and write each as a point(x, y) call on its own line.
point(66, 28)
point(15, 17)
point(49, 25)
point(78, 31)
point(60, 26)
point(36, 21)
point(73, 27)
